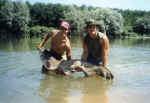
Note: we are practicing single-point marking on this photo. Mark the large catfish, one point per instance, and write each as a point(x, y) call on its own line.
point(64, 67)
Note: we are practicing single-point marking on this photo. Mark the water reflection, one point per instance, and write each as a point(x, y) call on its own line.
point(76, 42)
point(60, 89)
point(94, 91)
point(19, 45)
point(31, 44)
point(54, 89)
point(131, 42)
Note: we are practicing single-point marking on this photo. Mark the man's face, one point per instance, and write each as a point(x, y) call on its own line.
point(91, 29)
point(64, 30)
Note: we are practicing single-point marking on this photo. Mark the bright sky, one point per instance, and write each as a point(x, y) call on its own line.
point(121, 4)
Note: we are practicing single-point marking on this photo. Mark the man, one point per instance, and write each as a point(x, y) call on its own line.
point(59, 43)
point(95, 45)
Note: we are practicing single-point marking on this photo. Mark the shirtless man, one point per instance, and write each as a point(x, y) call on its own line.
point(59, 43)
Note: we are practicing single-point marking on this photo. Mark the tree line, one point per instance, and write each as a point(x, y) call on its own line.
point(22, 19)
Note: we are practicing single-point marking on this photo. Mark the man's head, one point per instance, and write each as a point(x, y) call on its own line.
point(91, 26)
point(64, 26)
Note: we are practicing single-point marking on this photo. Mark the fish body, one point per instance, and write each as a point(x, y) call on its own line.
point(69, 67)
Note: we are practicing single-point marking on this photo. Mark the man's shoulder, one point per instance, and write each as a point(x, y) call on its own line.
point(84, 35)
point(101, 35)
point(53, 32)
point(67, 39)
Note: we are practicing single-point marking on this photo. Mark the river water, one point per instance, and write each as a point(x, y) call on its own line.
point(21, 80)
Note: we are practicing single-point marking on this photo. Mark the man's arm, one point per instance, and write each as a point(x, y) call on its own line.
point(85, 51)
point(68, 50)
point(44, 40)
point(105, 47)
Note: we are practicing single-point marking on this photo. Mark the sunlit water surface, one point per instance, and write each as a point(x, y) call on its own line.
point(21, 80)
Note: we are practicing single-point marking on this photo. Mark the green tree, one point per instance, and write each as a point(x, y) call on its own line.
point(111, 22)
point(14, 18)
point(47, 14)
point(142, 25)
point(76, 18)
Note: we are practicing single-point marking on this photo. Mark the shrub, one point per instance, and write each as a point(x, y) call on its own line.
point(39, 31)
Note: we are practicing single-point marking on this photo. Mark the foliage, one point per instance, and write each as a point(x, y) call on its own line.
point(47, 15)
point(14, 18)
point(76, 18)
point(142, 25)
point(111, 22)
point(39, 31)
point(130, 18)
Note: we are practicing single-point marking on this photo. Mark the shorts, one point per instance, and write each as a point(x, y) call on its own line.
point(47, 54)
point(94, 61)
point(49, 58)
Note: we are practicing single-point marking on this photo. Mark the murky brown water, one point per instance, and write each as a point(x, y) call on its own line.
point(22, 82)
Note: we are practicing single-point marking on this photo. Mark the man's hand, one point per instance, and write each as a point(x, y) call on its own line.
point(40, 48)
point(68, 57)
